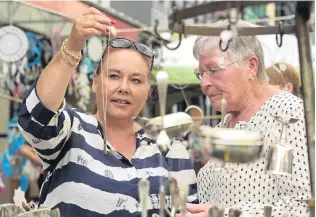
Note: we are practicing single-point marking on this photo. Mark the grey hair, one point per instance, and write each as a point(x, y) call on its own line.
point(240, 47)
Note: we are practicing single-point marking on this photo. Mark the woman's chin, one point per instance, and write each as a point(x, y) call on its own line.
point(119, 115)
point(216, 104)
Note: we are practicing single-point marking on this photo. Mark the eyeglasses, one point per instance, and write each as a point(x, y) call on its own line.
point(125, 43)
point(211, 70)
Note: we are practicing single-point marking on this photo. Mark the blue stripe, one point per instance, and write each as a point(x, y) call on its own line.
point(35, 129)
point(79, 141)
point(45, 160)
point(41, 114)
point(48, 152)
point(150, 162)
point(75, 173)
point(87, 126)
point(176, 164)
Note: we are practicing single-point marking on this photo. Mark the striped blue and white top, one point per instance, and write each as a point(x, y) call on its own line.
point(80, 179)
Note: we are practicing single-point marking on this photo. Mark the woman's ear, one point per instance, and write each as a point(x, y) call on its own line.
point(253, 66)
point(289, 87)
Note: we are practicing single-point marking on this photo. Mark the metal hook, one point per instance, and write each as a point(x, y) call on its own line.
point(229, 39)
point(221, 47)
point(281, 33)
point(165, 42)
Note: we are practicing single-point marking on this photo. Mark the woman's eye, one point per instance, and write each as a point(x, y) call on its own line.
point(113, 76)
point(213, 71)
point(136, 81)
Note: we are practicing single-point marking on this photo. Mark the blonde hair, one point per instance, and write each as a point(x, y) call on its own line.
point(282, 77)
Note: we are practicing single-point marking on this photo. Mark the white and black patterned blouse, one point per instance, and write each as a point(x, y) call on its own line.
point(249, 186)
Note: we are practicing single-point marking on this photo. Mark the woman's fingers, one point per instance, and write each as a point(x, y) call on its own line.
point(98, 18)
point(94, 25)
point(92, 10)
point(91, 23)
point(87, 32)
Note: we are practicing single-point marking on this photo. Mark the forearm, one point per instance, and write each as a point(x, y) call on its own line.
point(28, 152)
point(53, 81)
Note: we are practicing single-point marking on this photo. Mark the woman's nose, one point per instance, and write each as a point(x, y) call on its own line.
point(206, 81)
point(123, 87)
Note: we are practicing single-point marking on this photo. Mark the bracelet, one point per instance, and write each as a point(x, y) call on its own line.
point(65, 55)
point(64, 48)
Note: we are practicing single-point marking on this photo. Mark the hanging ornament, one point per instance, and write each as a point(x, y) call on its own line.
point(34, 53)
point(24, 72)
point(94, 49)
point(13, 43)
point(47, 51)
point(4, 77)
point(82, 88)
point(90, 69)
point(22, 66)
point(15, 80)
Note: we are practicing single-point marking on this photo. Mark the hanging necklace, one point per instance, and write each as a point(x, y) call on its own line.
point(105, 92)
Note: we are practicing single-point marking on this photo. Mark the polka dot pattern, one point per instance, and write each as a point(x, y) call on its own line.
point(249, 186)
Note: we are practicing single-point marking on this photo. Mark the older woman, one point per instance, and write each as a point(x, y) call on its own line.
point(80, 179)
point(238, 76)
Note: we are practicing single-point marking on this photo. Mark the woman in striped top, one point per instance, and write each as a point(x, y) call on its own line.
point(80, 179)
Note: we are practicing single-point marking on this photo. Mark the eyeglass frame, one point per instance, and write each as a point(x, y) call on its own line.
point(199, 75)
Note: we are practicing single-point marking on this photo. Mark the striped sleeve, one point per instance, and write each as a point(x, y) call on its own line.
point(181, 168)
point(45, 130)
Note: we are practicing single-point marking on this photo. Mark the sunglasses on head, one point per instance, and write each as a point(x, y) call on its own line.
point(125, 43)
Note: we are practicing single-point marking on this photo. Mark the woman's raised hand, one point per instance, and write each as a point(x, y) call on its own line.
point(91, 22)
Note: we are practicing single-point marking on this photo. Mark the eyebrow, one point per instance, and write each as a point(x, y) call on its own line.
point(138, 74)
point(120, 72)
point(212, 64)
point(208, 65)
point(114, 70)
